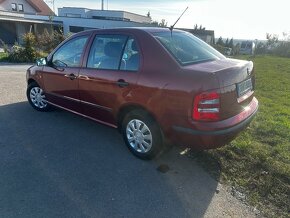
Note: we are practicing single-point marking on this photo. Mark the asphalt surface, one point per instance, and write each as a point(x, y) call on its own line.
point(58, 164)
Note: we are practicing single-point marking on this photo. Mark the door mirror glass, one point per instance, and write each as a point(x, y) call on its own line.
point(41, 61)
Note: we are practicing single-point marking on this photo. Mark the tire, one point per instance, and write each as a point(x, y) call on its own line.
point(36, 97)
point(142, 134)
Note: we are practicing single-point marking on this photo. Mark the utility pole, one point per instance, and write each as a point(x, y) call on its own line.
point(53, 6)
point(51, 2)
point(102, 5)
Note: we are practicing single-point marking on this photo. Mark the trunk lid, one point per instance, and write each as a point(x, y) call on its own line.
point(236, 83)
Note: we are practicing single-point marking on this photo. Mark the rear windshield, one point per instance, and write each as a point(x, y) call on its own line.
point(186, 48)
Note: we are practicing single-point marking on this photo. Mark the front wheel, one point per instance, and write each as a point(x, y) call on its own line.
point(142, 135)
point(37, 98)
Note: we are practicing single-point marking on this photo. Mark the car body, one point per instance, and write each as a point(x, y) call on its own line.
point(169, 82)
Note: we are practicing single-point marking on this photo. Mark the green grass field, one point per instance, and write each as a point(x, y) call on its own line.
point(258, 161)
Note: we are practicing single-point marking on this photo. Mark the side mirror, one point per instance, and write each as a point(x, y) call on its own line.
point(41, 61)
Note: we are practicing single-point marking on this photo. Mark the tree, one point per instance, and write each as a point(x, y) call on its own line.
point(201, 27)
point(236, 49)
point(220, 42)
point(227, 43)
point(163, 23)
point(148, 14)
point(231, 43)
point(198, 28)
point(286, 36)
point(271, 39)
point(261, 48)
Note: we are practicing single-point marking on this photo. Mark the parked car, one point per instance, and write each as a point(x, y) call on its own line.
point(155, 85)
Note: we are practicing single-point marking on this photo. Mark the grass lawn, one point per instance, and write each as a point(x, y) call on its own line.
point(3, 56)
point(258, 161)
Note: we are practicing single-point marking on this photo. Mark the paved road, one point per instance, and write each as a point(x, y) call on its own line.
point(58, 164)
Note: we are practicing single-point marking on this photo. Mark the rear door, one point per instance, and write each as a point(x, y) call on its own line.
point(110, 75)
point(60, 77)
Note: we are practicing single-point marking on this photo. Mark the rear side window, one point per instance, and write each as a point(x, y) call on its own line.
point(131, 56)
point(106, 52)
point(69, 55)
point(186, 48)
point(114, 52)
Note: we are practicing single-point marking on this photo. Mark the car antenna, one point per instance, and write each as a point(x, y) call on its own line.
point(171, 27)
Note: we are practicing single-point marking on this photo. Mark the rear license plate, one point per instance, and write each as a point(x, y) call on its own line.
point(244, 87)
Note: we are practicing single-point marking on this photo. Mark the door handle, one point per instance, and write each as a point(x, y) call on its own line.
point(84, 77)
point(71, 76)
point(122, 83)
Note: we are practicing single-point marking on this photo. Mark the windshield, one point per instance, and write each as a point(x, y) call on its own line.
point(186, 48)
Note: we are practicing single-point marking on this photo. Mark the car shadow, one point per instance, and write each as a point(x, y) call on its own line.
point(58, 164)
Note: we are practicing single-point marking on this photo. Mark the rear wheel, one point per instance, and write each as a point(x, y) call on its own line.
point(37, 98)
point(142, 134)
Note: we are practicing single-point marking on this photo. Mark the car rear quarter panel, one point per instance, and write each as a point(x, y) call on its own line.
point(165, 88)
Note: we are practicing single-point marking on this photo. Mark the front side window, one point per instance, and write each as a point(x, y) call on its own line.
point(69, 55)
point(14, 6)
point(186, 48)
point(106, 52)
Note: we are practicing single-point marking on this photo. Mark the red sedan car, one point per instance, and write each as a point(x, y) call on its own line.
point(155, 85)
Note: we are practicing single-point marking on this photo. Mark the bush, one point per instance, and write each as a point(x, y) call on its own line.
point(261, 48)
point(4, 46)
point(17, 54)
point(220, 48)
point(26, 53)
point(48, 41)
point(282, 49)
point(276, 47)
point(29, 47)
point(4, 57)
point(34, 46)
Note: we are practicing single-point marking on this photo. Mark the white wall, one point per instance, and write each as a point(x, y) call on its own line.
point(94, 23)
point(104, 13)
point(88, 13)
point(136, 17)
point(80, 11)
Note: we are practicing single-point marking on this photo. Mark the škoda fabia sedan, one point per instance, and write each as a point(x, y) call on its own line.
point(157, 86)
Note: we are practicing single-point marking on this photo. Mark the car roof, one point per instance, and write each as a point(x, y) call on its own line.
point(130, 30)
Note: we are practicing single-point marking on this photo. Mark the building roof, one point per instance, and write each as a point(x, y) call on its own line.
point(40, 7)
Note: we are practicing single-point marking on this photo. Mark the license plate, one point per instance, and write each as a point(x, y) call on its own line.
point(244, 87)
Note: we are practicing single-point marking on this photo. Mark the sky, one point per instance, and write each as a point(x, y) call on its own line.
point(238, 19)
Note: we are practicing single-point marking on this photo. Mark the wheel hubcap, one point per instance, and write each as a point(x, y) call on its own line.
point(37, 97)
point(139, 136)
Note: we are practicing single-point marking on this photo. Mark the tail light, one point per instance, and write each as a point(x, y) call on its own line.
point(206, 107)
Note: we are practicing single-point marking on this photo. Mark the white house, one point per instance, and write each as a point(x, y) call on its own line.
point(20, 16)
point(78, 19)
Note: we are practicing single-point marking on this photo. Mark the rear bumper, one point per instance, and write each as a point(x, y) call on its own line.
point(215, 134)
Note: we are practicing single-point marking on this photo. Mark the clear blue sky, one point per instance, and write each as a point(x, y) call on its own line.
point(241, 19)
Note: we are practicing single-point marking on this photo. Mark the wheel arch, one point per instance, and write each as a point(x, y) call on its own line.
point(30, 80)
point(125, 109)
point(164, 143)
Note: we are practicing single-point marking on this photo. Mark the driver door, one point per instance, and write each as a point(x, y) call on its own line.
point(60, 76)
